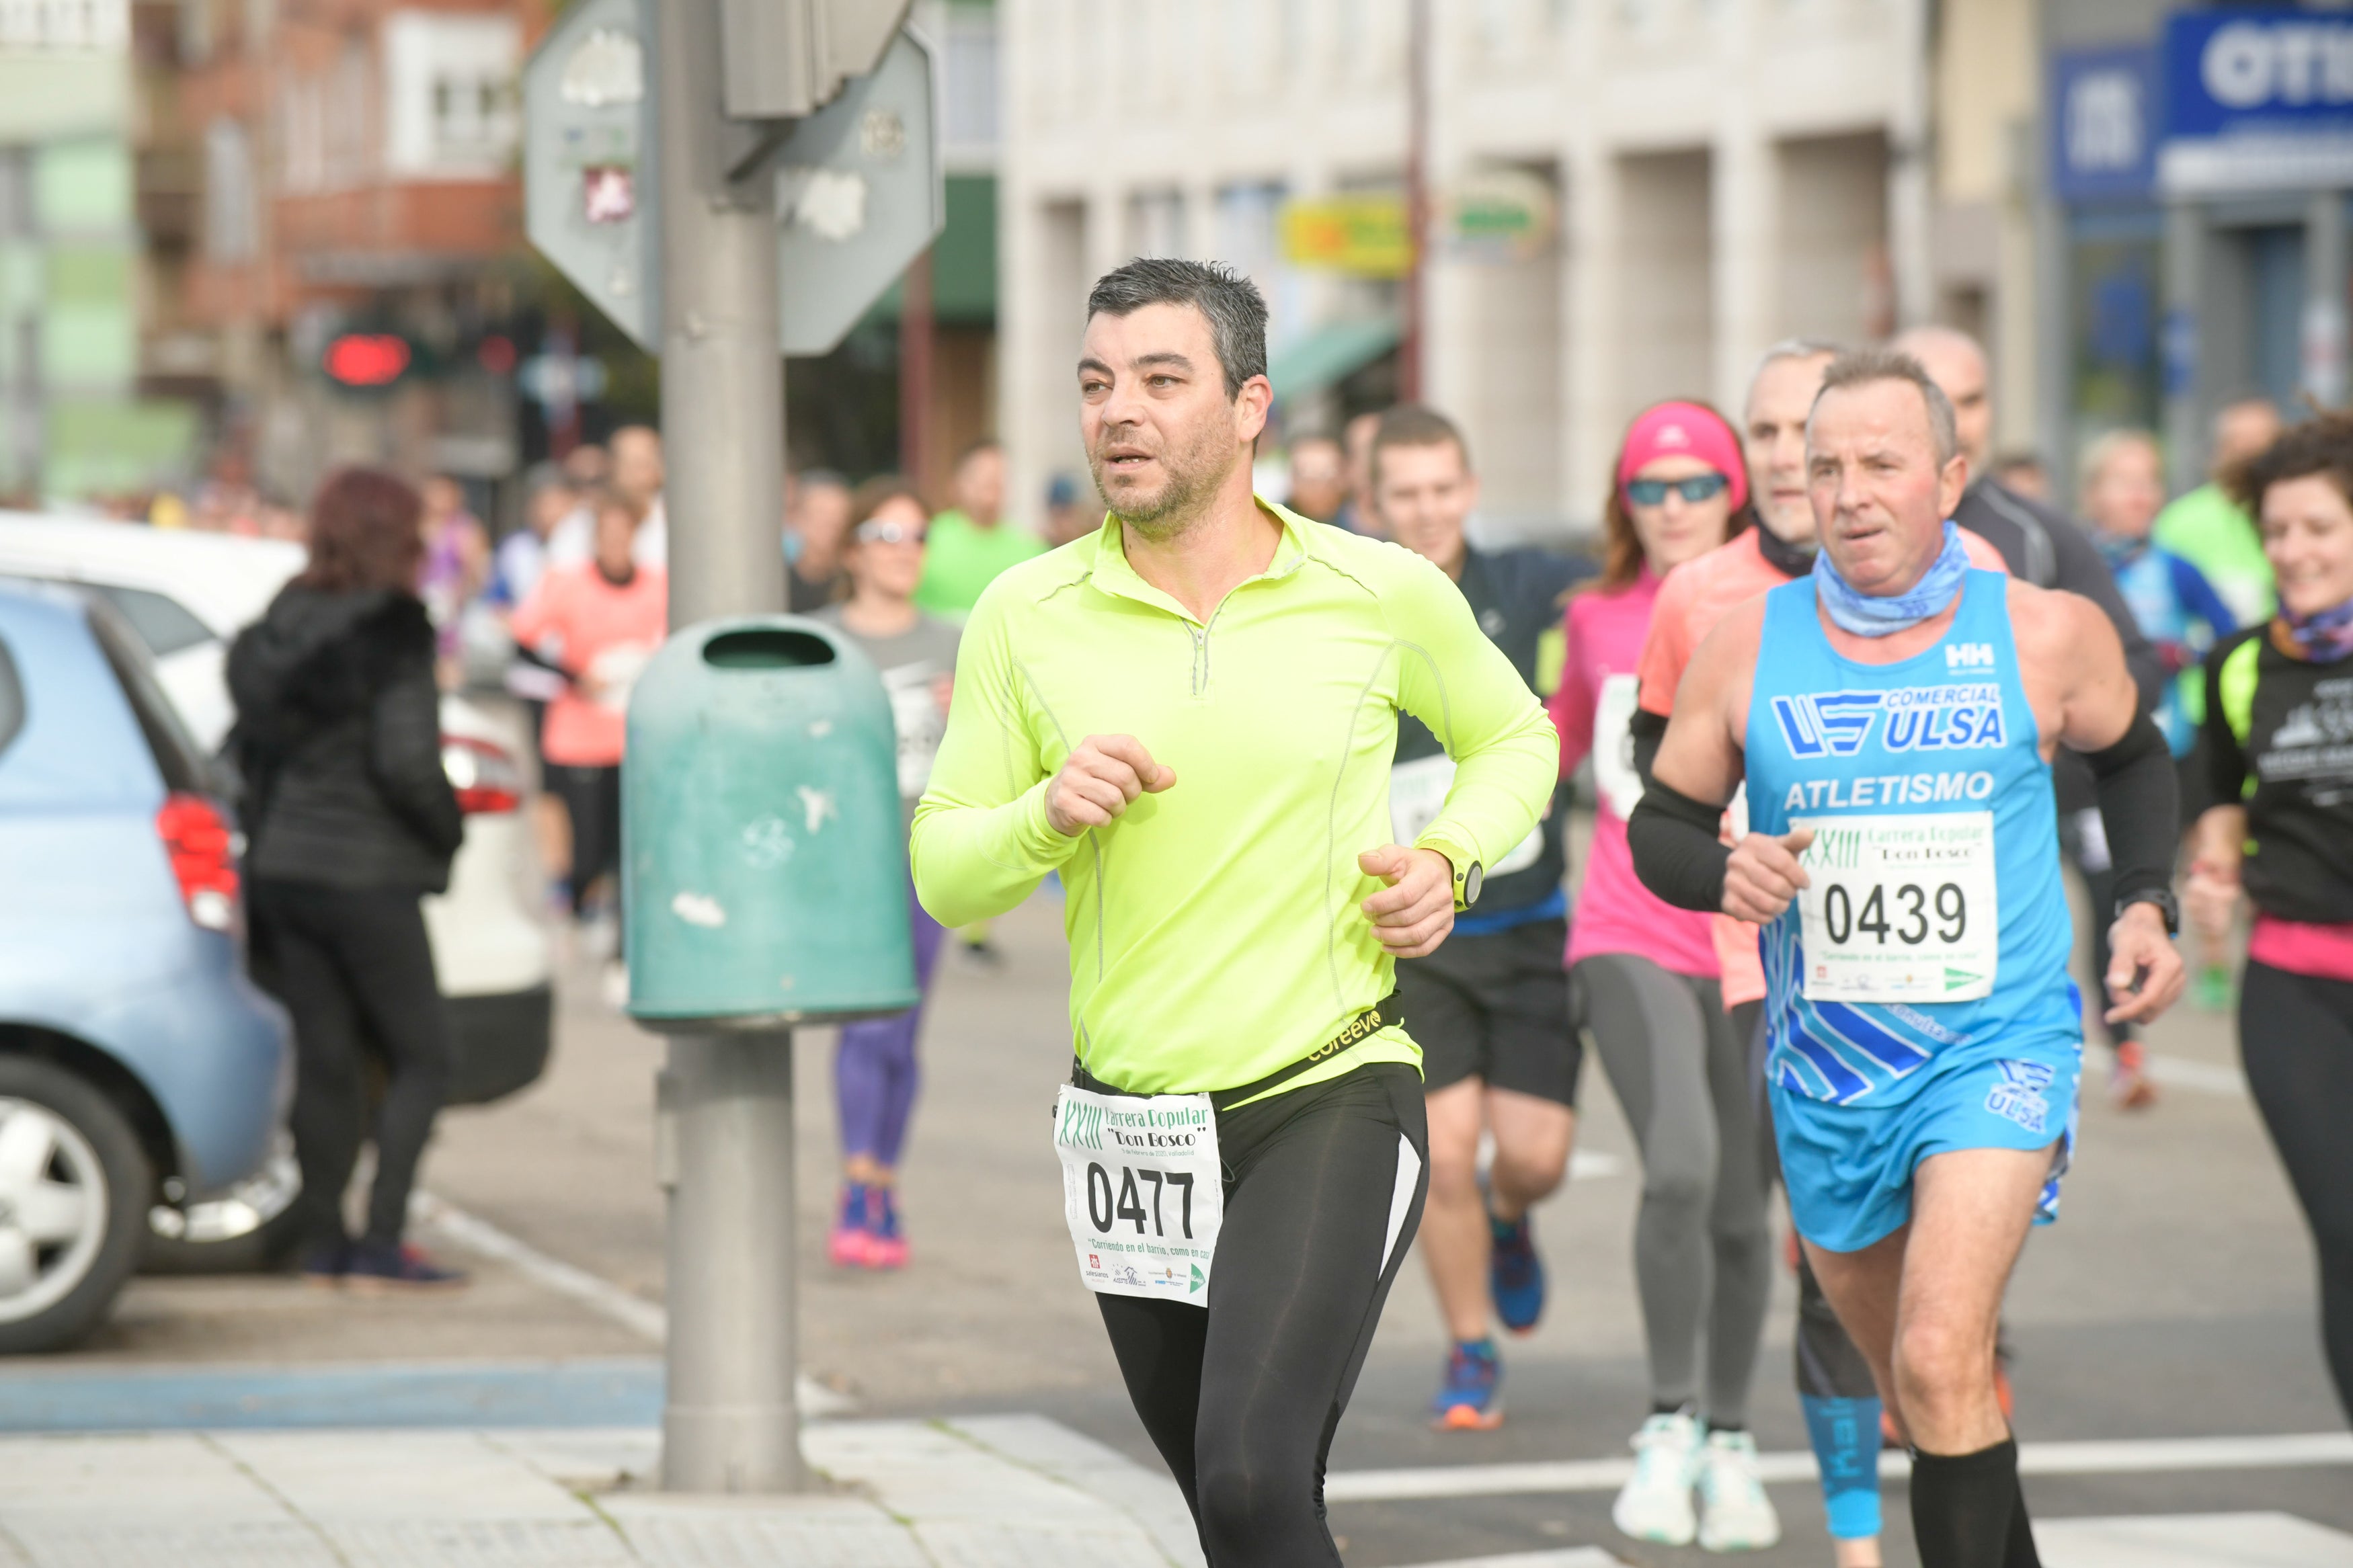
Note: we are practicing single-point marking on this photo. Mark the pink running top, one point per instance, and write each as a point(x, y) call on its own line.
point(1615, 913)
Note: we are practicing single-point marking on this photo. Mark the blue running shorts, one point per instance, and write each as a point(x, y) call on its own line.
point(1849, 1168)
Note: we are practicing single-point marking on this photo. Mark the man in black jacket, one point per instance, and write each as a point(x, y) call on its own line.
point(1489, 1008)
point(351, 821)
point(2042, 545)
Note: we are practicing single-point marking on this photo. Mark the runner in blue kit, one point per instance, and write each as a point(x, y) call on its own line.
point(1894, 716)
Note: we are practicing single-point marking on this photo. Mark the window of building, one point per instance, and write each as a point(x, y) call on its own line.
point(64, 25)
point(1156, 223)
point(230, 216)
point(971, 107)
point(451, 108)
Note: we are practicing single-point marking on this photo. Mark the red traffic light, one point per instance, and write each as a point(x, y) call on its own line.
point(366, 359)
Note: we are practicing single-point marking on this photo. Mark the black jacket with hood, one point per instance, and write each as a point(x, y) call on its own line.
point(339, 739)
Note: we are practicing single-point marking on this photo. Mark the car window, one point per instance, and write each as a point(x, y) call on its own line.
point(177, 757)
point(12, 700)
point(160, 621)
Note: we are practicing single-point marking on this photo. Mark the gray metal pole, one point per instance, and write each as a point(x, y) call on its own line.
point(2184, 355)
point(2324, 298)
point(729, 1424)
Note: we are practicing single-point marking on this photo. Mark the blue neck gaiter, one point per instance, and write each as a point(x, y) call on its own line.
point(1867, 616)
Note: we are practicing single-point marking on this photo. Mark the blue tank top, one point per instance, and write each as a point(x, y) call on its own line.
point(1936, 930)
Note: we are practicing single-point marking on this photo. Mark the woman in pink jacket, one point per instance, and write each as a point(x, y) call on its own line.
point(1645, 978)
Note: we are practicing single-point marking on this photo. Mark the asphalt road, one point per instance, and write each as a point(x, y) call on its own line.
point(2174, 1300)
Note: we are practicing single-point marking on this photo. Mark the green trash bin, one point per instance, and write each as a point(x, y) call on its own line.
point(764, 876)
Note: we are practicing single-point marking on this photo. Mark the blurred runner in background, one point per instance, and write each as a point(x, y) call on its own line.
point(2213, 533)
point(2279, 711)
point(1319, 478)
point(817, 523)
point(515, 572)
point(1489, 1008)
point(2122, 492)
point(635, 470)
point(971, 542)
point(1649, 987)
point(875, 1073)
point(457, 567)
point(1357, 513)
point(597, 623)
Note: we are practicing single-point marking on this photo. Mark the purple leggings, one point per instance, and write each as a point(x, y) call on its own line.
point(874, 1072)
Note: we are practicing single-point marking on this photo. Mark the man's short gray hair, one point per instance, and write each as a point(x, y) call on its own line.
point(1794, 347)
point(1234, 308)
point(1861, 367)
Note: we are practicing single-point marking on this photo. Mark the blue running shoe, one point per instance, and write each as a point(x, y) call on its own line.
point(1515, 1274)
point(1470, 1399)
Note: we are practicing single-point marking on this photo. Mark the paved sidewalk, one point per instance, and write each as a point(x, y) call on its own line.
point(985, 1492)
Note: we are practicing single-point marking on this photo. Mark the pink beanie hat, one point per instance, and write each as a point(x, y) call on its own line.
point(1684, 430)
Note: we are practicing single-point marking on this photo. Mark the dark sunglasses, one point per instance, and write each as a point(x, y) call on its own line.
point(889, 533)
point(1697, 488)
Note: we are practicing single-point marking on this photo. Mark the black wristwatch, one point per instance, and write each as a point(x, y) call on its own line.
point(1468, 882)
point(2166, 905)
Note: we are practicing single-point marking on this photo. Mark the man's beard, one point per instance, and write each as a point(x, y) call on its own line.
point(1193, 476)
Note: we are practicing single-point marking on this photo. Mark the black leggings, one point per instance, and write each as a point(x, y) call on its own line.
point(353, 969)
point(1241, 1397)
point(592, 799)
point(2296, 1033)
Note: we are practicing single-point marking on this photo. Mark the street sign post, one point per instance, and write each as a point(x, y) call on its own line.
point(860, 192)
point(659, 137)
point(591, 201)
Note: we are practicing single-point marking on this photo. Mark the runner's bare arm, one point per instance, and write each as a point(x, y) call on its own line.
point(2073, 669)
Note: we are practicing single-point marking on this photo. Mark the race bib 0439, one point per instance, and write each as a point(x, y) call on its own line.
point(1143, 1191)
point(1900, 908)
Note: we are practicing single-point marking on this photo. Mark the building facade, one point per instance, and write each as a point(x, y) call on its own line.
point(1720, 175)
point(356, 174)
point(80, 427)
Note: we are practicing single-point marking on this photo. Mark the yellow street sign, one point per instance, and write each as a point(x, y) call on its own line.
point(1362, 234)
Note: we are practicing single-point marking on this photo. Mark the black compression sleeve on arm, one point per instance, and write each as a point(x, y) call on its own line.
point(2140, 807)
point(1648, 729)
point(1676, 852)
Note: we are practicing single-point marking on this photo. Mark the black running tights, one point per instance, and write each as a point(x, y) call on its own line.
point(355, 971)
point(1324, 1192)
point(2296, 1034)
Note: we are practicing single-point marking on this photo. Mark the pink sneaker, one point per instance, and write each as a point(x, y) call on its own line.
point(849, 1246)
point(885, 1248)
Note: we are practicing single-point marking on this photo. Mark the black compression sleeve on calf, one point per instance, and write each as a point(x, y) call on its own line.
point(2140, 807)
point(1675, 849)
point(1648, 729)
point(1962, 1506)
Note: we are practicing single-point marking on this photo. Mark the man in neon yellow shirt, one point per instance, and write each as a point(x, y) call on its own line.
point(2210, 531)
point(1190, 714)
point(971, 542)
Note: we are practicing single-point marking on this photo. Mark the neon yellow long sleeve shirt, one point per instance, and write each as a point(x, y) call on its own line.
point(1215, 930)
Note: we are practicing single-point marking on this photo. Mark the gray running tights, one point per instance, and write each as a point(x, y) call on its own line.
point(1702, 1244)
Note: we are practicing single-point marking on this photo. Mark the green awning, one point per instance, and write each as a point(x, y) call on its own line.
point(1313, 362)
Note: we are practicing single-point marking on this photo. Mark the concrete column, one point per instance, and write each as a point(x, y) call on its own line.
point(2323, 300)
point(2185, 284)
point(1592, 272)
point(1745, 267)
point(1910, 176)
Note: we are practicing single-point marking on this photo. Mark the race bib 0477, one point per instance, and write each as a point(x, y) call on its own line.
point(1900, 908)
point(1143, 1191)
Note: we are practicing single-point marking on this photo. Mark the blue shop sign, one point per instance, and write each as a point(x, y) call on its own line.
point(2257, 99)
point(2104, 124)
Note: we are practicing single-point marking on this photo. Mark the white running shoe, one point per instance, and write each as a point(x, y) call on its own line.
point(1735, 1514)
point(1656, 1504)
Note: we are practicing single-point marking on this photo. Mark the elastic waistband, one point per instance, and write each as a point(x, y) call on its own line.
point(1387, 1012)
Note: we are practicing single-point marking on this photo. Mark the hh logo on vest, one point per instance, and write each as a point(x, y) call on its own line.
point(1919, 718)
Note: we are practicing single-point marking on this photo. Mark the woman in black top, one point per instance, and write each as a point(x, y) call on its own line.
point(351, 821)
point(2279, 734)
